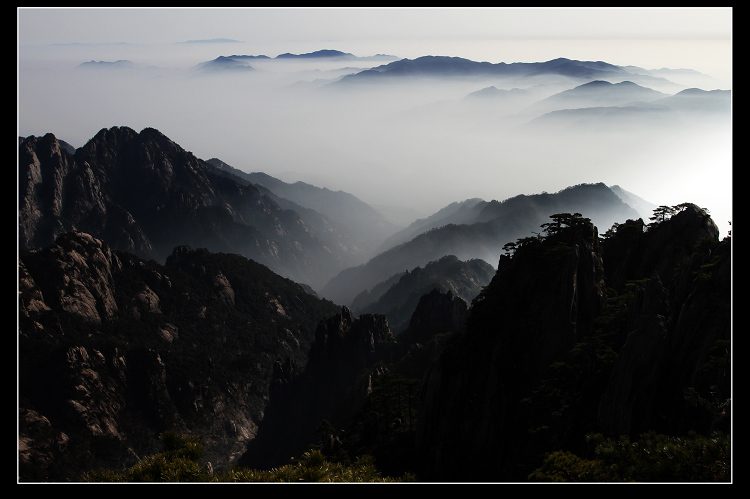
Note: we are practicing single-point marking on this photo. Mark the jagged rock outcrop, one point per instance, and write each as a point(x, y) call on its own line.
point(679, 324)
point(634, 252)
point(398, 296)
point(114, 350)
point(627, 404)
point(342, 363)
point(40, 447)
point(574, 334)
point(58, 193)
point(478, 232)
point(84, 285)
point(144, 194)
point(436, 313)
point(539, 338)
point(529, 316)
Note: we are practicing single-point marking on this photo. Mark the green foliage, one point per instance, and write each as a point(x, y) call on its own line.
point(653, 458)
point(564, 466)
point(664, 212)
point(313, 467)
point(561, 221)
point(179, 461)
point(611, 231)
point(629, 230)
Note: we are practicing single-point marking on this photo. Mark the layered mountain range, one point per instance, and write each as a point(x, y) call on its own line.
point(144, 194)
point(476, 229)
point(162, 292)
point(116, 347)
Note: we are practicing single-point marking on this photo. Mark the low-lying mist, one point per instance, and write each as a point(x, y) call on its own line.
point(414, 143)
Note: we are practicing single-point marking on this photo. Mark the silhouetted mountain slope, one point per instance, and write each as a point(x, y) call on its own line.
point(455, 213)
point(364, 225)
point(494, 94)
point(143, 193)
point(402, 292)
point(360, 388)
point(114, 350)
point(106, 65)
point(331, 386)
point(643, 207)
point(457, 67)
point(603, 120)
point(647, 110)
point(573, 335)
point(318, 54)
point(225, 64)
point(568, 340)
point(696, 100)
point(483, 236)
point(596, 93)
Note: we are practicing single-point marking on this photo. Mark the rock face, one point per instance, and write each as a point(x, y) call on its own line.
point(114, 350)
point(350, 355)
point(662, 307)
point(397, 297)
point(532, 312)
point(144, 194)
point(476, 230)
point(436, 313)
point(332, 386)
point(679, 323)
point(574, 334)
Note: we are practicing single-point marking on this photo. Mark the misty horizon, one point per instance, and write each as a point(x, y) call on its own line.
point(415, 145)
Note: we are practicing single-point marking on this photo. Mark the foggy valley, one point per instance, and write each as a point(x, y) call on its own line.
point(411, 137)
point(416, 141)
point(422, 244)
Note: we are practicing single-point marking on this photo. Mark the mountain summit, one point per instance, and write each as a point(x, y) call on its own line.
point(444, 66)
point(142, 193)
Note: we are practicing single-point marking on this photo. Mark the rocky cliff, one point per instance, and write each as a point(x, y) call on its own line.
point(344, 359)
point(144, 194)
point(557, 347)
point(398, 296)
point(359, 389)
point(113, 350)
point(679, 326)
point(574, 334)
point(477, 230)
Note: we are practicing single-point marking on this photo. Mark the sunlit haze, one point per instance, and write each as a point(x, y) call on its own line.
point(409, 146)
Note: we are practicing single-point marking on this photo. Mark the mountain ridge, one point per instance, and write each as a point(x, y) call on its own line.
point(114, 349)
point(342, 207)
point(447, 66)
point(175, 198)
point(398, 296)
point(482, 236)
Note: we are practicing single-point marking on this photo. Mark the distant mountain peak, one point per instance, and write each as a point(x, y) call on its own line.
point(316, 54)
point(435, 65)
point(122, 63)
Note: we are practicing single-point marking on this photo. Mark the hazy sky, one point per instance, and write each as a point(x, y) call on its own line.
point(494, 34)
point(262, 25)
point(243, 128)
